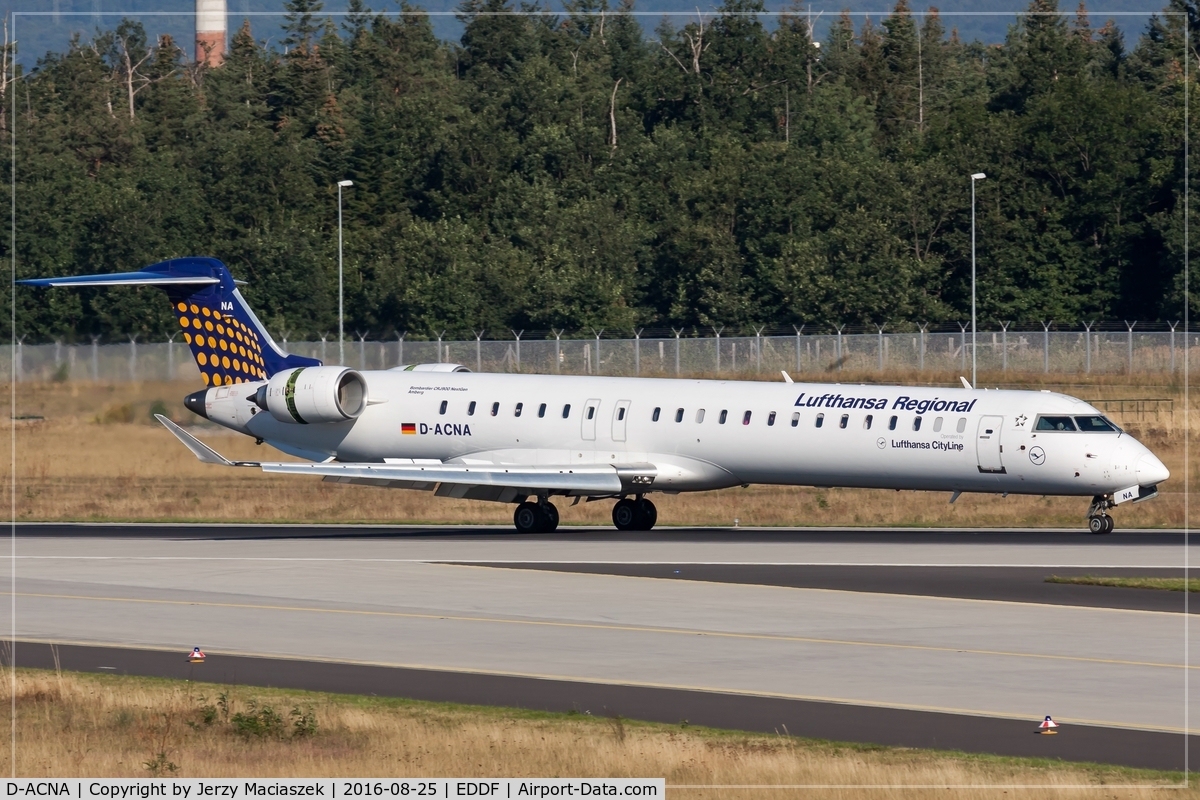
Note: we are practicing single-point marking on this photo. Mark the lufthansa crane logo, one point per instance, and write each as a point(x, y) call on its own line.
point(881, 442)
point(1038, 456)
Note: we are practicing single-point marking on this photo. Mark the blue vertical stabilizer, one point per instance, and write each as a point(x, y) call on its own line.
point(228, 341)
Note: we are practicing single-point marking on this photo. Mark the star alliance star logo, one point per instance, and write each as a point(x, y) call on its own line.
point(1020, 421)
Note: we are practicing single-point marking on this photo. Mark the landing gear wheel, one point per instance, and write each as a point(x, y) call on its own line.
point(646, 515)
point(634, 515)
point(536, 517)
point(625, 515)
point(528, 518)
point(550, 517)
point(1100, 524)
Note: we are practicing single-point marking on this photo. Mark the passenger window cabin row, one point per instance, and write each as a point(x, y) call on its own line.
point(518, 409)
point(844, 422)
point(893, 422)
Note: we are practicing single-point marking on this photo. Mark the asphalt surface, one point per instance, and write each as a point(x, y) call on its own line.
point(918, 638)
point(1014, 537)
point(831, 721)
point(1011, 584)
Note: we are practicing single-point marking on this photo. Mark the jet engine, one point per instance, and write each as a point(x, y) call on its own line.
point(313, 395)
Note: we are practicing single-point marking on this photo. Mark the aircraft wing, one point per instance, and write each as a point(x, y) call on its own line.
point(475, 481)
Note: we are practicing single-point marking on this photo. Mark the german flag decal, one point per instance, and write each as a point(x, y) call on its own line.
point(408, 428)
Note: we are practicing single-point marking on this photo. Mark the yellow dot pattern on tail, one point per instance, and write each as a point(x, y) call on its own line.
point(226, 335)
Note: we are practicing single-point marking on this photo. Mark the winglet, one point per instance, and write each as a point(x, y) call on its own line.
point(966, 383)
point(198, 448)
point(786, 377)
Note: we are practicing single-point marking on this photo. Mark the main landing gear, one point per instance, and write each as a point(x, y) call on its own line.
point(628, 515)
point(539, 517)
point(634, 515)
point(1099, 521)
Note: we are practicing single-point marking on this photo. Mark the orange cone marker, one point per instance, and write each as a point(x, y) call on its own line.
point(197, 657)
point(1048, 726)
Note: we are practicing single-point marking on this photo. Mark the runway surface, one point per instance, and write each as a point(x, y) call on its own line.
point(894, 629)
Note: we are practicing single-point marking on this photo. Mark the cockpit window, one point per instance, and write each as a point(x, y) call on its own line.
point(1055, 424)
point(1096, 425)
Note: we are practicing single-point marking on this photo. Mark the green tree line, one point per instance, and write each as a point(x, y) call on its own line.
point(576, 171)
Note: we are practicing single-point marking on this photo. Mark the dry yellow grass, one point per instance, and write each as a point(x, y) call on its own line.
point(97, 455)
point(109, 726)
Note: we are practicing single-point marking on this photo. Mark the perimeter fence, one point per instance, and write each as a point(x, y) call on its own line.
point(1093, 351)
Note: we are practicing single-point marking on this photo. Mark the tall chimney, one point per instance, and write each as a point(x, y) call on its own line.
point(210, 32)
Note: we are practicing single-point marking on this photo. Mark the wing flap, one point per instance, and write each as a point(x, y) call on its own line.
point(601, 479)
point(418, 486)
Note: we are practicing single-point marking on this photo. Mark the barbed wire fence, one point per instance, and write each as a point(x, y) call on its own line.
point(1104, 348)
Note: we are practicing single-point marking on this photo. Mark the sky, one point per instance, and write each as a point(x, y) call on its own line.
point(47, 25)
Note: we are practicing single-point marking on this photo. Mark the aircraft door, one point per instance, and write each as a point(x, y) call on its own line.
point(591, 410)
point(987, 445)
point(620, 420)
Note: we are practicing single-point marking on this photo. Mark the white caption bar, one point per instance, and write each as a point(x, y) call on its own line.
point(248, 788)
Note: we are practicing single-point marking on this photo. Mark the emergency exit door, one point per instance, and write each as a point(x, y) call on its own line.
point(620, 420)
point(591, 410)
point(987, 445)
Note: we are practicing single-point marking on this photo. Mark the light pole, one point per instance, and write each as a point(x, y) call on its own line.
point(341, 293)
point(978, 176)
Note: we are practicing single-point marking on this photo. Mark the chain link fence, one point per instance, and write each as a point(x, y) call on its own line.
point(1048, 351)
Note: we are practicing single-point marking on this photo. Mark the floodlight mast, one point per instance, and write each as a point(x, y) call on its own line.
point(341, 293)
point(978, 176)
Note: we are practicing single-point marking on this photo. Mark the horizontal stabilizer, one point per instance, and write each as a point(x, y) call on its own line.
point(141, 278)
point(198, 448)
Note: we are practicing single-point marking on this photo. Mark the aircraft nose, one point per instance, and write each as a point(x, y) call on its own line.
point(1151, 471)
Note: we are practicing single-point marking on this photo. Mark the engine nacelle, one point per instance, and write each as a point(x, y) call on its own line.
point(311, 395)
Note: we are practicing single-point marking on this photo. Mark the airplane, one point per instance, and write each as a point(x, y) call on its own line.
point(524, 439)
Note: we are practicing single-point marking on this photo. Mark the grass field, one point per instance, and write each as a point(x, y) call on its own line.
point(1162, 584)
point(92, 452)
point(111, 726)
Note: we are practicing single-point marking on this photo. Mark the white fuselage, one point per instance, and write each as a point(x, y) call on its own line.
point(712, 434)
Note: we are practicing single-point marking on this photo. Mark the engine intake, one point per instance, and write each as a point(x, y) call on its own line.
point(312, 395)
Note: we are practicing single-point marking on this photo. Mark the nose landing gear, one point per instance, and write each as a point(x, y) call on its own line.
point(634, 515)
point(1099, 521)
